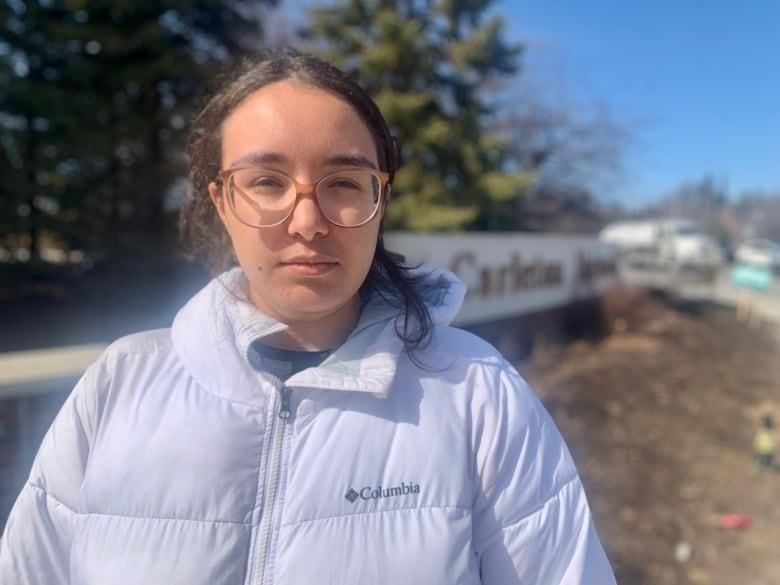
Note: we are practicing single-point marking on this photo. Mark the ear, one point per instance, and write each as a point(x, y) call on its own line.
point(218, 199)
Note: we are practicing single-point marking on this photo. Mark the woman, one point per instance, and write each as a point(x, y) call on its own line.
point(310, 417)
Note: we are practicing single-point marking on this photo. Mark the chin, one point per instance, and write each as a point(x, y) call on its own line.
point(307, 305)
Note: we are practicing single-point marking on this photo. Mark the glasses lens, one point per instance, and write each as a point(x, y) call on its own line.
point(261, 198)
point(349, 198)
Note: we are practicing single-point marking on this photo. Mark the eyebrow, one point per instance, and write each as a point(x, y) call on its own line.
point(350, 160)
point(338, 160)
point(259, 158)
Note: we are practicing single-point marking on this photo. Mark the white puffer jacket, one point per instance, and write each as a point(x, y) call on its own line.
point(171, 464)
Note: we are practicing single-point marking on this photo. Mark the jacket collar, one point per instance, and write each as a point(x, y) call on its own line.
point(212, 334)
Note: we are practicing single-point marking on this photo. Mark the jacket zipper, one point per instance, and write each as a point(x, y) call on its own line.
point(271, 487)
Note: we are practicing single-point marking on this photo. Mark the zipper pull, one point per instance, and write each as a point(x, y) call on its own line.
point(284, 403)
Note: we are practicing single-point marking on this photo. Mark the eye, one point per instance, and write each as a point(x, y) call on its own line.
point(267, 182)
point(260, 182)
point(343, 183)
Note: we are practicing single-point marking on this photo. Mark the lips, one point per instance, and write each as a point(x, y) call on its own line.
point(310, 265)
point(309, 260)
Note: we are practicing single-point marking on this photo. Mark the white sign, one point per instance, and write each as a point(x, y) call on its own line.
point(512, 274)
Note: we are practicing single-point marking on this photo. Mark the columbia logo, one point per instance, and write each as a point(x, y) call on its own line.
point(378, 492)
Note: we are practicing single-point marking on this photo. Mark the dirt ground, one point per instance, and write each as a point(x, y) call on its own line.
point(659, 414)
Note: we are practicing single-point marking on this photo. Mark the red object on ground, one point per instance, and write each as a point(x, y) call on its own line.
point(734, 521)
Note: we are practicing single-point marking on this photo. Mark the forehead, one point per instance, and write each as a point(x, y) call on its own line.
point(302, 123)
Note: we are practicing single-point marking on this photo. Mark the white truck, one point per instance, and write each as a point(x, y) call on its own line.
point(664, 253)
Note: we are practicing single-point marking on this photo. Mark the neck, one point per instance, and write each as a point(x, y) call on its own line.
point(315, 334)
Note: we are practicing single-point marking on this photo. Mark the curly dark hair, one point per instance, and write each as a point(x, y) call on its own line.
point(204, 237)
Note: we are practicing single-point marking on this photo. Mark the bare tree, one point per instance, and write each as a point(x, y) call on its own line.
point(758, 213)
point(573, 151)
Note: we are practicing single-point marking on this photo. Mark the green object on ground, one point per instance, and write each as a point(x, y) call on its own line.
point(758, 278)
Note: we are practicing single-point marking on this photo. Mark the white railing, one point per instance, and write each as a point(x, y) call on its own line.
point(33, 372)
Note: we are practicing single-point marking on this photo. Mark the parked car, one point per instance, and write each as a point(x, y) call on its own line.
point(673, 251)
point(759, 252)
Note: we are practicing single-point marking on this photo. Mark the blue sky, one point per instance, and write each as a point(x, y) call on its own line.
point(697, 83)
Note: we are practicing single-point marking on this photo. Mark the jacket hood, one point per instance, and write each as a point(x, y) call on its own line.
point(213, 332)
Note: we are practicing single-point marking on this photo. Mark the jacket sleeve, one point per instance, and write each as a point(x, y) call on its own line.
point(35, 546)
point(531, 523)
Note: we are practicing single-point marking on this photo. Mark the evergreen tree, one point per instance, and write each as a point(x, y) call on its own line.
point(432, 66)
point(93, 99)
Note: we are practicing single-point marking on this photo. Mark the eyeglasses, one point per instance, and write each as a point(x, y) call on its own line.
point(262, 198)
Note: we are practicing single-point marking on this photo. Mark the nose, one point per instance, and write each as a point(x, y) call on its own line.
point(306, 220)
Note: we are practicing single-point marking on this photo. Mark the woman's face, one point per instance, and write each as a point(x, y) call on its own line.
point(306, 269)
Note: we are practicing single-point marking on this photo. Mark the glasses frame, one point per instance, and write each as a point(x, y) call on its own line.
point(224, 181)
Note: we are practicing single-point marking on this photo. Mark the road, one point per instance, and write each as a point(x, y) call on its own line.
point(723, 292)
